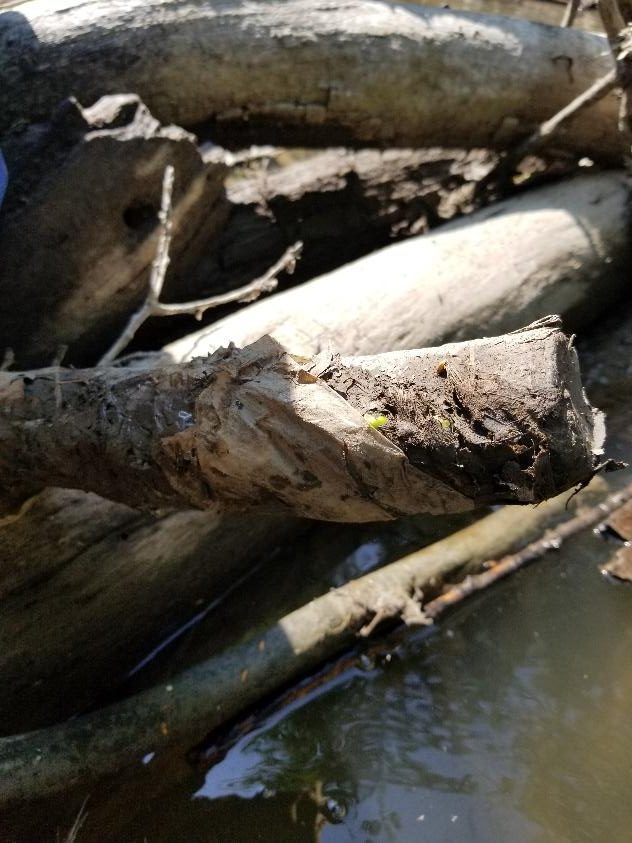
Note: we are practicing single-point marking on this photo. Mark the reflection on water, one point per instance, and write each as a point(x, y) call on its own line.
point(508, 721)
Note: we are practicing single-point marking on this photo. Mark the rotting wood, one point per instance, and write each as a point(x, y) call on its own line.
point(300, 72)
point(345, 439)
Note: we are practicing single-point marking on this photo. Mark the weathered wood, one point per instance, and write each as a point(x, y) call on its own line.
point(341, 204)
point(344, 439)
point(563, 249)
point(304, 72)
point(78, 229)
point(89, 587)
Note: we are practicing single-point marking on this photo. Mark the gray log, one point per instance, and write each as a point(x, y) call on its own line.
point(561, 249)
point(301, 71)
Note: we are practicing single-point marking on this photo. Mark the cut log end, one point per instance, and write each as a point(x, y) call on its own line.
point(438, 430)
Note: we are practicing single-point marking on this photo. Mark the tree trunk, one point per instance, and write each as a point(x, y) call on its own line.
point(301, 72)
point(343, 439)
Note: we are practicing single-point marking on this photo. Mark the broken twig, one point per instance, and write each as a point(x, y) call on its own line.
point(152, 306)
point(570, 13)
point(551, 540)
point(503, 172)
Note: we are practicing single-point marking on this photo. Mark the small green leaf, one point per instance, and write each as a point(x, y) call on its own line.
point(375, 421)
point(446, 424)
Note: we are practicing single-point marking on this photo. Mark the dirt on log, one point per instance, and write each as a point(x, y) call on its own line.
point(301, 72)
point(343, 439)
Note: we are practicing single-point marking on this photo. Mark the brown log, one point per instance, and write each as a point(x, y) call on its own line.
point(347, 439)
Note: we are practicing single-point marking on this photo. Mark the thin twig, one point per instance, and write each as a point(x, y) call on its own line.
point(616, 17)
point(551, 540)
point(80, 819)
point(570, 13)
point(152, 306)
point(8, 360)
point(545, 131)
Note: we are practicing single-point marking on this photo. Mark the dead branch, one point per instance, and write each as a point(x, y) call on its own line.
point(152, 306)
point(570, 13)
point(548, 130)
point(616, 16)
point(551, 540)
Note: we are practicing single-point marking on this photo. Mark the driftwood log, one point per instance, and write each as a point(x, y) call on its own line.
point(561, 249)
point(299, 72)
point(349, 439)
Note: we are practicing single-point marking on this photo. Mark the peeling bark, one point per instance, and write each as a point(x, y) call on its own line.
point(300, 72)
point(349, 439)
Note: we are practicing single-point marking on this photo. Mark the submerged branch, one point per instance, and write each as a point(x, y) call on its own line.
point(210, 694)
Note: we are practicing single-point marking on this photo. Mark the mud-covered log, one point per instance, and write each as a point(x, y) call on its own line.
point(302, 72)
point(565, 249)
point(79, 225)
point(347, 439)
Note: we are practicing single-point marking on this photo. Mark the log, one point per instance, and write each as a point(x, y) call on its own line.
point(79, 225)
point(89, 587)
point(564, 248)
point(346, 439)
point(301, 73)
point(41, 663)
point(341, 204)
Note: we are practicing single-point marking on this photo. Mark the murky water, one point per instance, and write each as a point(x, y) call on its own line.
point(510, 720)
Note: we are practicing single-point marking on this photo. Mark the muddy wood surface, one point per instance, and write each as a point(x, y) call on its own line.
point(350, 439)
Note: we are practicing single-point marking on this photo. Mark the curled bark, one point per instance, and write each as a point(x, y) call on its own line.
point(302, 72)
point(349, 439)
point(208, 695)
